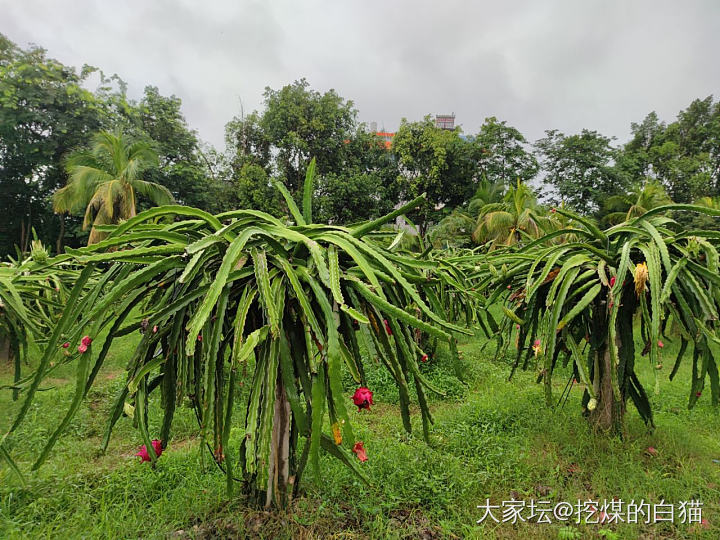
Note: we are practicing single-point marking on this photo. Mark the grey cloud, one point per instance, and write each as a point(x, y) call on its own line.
point(539, 65)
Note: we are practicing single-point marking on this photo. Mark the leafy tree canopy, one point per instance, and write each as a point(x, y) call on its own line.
point(182, 167)
point(356, 173)
point(684, 155)
point(48, 111)
point(45, 111)
point(433, 161)
point(580, 169)
point(502, 153)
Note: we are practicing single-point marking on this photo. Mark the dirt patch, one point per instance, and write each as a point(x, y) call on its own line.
point(111, 375)
point(415, 522)
point(236, 520)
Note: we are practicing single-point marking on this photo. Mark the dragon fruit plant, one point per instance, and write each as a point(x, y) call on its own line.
point(33, 291)
point(578, 300)
point(245, 298)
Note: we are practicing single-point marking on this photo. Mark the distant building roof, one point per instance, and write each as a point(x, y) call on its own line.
point(445, 121)
point(387, 136)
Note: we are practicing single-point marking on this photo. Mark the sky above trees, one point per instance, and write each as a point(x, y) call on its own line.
point(561, 64)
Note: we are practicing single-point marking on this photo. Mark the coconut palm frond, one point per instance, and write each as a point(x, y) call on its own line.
point(104, 179)
point(143, 153)
point(709, 202)
point(67, 200)
point(639, 200)
point(158, 194)
point(527, 221)
point(84, 181)
point(486, 193)
point(509, 220)
point(615, 218)
point(492, 207)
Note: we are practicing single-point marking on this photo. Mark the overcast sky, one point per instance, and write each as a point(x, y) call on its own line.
point(562, 64)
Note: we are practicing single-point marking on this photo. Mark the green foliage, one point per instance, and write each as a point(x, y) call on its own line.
point(636, 202)
point(353, 196)
point(502, 153)
point(251, 188)
point(454, 230)
point(185, 169)
point(105, 182)
point(356, 174)
point(358, 178)
point(580, 168)
point(433, 161)
point(684, 155)
point(577, 301)
point(300, 123)
point(243, 298)
point(45, 111)
point(48, 112)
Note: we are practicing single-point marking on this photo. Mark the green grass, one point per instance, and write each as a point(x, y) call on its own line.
point(492, 438)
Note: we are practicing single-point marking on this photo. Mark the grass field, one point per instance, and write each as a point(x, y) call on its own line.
point(492, 439)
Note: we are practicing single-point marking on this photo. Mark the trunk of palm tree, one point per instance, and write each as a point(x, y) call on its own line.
point(95, 236)
point(61, 235)
point(24, 235)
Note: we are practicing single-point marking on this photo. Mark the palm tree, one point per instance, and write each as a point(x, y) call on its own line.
point(104, 182)
point(505, 223)
point(486, 193)
point(635, 203)
point(709, 202)
point(457, 227)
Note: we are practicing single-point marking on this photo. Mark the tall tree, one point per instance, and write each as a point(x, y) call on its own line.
point(300, 124)
point(251, 187)
point(248, 165)
point(683, 155)
point(365, 187)
point(105, 181)
point(45, 111)
point(635, 157)
point(580, 168)
point(433, 161)
point(502, 153)
point(182, 166)
point(356, 175)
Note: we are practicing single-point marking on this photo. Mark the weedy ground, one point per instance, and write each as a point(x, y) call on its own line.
point(492, 439)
